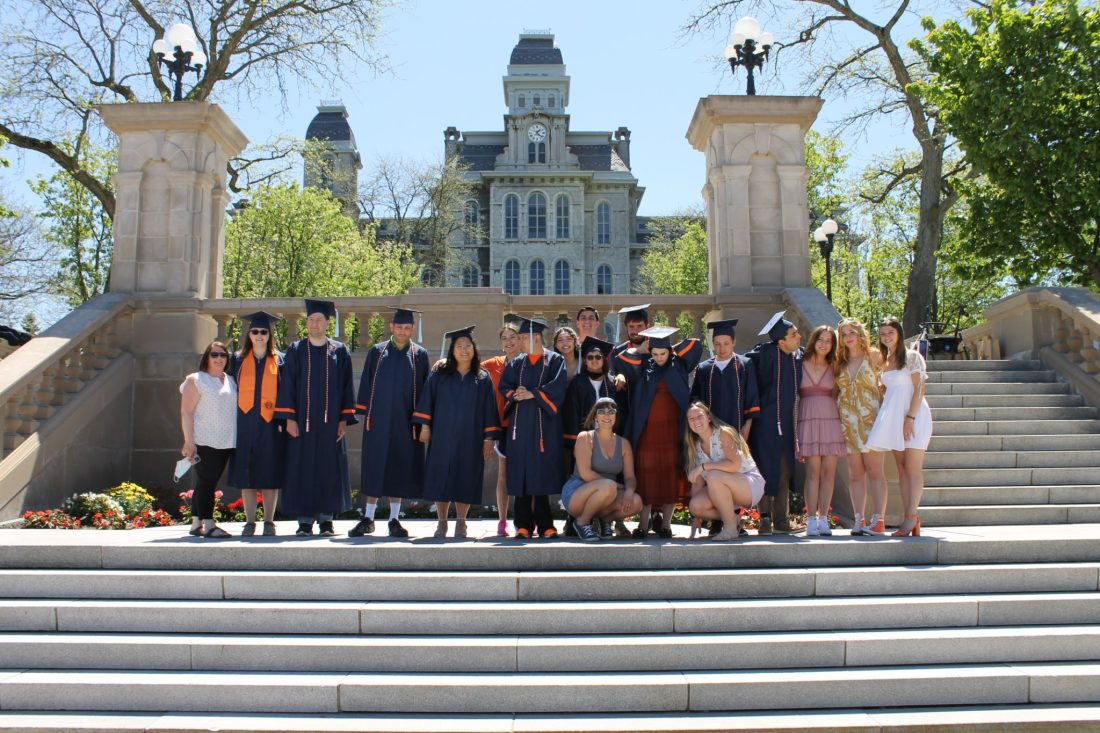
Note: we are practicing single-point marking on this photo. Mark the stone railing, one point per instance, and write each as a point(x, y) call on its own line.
point(1060, 326)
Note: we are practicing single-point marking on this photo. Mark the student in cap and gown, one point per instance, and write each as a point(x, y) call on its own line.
point(534, 384)
point(457, 412)
point(635, 320)
point(393, 456)
point(317, 401)
point(659, 398)
point(257, 463)
point(773, 438)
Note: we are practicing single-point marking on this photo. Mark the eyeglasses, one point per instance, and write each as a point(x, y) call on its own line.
point(218, 355)
point(607, 411)
point(259, 332)
point(594, 357)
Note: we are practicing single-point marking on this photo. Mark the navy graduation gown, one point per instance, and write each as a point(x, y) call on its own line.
point(462, 413)
point(730, 393)
point(773, 430)
point(316, 479)
point(257, 463)
point(533, 439)
point(393, 456)
point(579, 398)
point(642, 375)
point(612, 366)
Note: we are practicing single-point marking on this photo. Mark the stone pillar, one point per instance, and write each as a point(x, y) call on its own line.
point(755, 190)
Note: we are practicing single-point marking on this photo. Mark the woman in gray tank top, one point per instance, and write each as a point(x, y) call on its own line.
point(593, 493)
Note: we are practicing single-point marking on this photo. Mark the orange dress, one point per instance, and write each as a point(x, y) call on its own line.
point(658, 460)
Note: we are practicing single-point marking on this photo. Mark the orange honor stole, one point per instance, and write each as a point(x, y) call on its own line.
point(246, 387)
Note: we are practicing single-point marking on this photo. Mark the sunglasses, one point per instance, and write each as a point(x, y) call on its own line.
point(218, 355)
point(594, 357)
point(259, 332)
point(607, 411)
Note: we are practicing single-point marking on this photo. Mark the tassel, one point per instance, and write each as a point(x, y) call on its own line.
point(542, 446)
point(368, 423)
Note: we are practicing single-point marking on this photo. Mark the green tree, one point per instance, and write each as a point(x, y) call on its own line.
point(78, 226)
point(1020, 90)
point(677, 267)
point(30, 324)
point(826, 162)
point(27, 262)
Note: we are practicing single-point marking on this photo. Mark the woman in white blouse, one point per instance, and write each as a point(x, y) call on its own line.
point(208, 412)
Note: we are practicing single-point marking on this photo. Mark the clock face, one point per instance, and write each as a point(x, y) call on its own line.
point(536, 133)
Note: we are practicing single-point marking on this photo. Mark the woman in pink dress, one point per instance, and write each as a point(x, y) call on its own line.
point(820, 432)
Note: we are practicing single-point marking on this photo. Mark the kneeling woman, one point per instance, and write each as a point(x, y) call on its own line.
point(722, 473)
point(593, 492)
point(458, 418)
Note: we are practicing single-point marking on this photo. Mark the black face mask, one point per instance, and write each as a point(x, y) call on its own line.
point(598, 374)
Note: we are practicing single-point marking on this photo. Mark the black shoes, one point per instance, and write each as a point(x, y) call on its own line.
point(328, 529)
point(364, 527)
point(396, 530)
point(304, 529)
point(570, 530)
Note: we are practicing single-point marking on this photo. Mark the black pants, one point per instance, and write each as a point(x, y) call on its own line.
point(533, 512)
point(208, 470)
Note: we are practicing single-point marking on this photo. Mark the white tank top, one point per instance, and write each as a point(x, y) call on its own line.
point(748, 465)
point(216, 413)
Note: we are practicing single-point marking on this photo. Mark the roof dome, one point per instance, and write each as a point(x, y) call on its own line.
point(330, 123)
point(536, 48)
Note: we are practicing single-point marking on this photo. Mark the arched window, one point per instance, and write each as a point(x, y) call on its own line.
point(473, 213)
point(603, 224)
point(471, 278)
point(511, 216)
point(603, 280)
point(536, 152)
point(561, 278)
point(511, 277)
point(537, 100)
point(536, 216)
point(538, 278)
point(561, 207)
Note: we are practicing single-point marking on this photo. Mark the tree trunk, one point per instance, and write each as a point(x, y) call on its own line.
point(920, 298)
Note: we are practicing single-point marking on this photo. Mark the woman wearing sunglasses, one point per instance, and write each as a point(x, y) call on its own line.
point(258, 461)
point(593, 493)
point(208, 408)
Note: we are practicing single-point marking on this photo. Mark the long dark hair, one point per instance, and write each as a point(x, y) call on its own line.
point(576, 341)
point(450, 366)
point(204, 362)
point(590, 420)
point(246, 343)
point(899, 349)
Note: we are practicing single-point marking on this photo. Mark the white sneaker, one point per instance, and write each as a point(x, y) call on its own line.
point(823, 527)
point(812, 527)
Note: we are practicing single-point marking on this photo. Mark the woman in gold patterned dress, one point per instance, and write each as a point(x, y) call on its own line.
point(859, 396)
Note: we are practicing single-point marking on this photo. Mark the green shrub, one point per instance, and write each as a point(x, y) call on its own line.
point(85, 506)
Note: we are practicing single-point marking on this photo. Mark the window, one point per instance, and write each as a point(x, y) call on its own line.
point(426, 277)
point(603, 280)
point(561, 228)
point(561, 278)
point(511, 277)
point(551, 102)
point(536, 216)
point(538, 100)
point(473, 213)
point(511, 216)
point(471, 278)
point(536, 152)
point(603, 224)
point(538, 278)
point(522, 101)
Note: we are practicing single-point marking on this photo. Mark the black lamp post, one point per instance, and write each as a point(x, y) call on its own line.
point(186, 55)
point(823, 235)
point(741, 51)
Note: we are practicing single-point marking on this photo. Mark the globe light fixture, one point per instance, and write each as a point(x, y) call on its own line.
point(179, 41)
point(746, 38)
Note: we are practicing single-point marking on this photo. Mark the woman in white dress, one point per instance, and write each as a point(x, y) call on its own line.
point(904, 422)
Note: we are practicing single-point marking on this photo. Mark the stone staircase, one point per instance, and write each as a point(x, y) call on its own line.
point(1011, 445)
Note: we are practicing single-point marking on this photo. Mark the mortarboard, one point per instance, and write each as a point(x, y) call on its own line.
point(723, 328)
point(659, 336)
point(529, 325)
point(776, 328)
point(403, 315)
point(325, 307)
point(261, 319)
point(591, 344)
point(635, 312)
point(468, 332)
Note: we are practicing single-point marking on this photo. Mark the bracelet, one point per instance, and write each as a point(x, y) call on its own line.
point(911, 417)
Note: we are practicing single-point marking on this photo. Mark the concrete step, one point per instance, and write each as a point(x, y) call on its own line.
point(1016, 427)
point(70, 586)
point(1009, 476)
point(1026, 718)
point(1081, 442)
point(1014, 495)
point(536, 618)
point(997, 388)
point(552, 692)
point(1021, 414)
point(970, 365)
point(1005, 400)
point(978, 515)
point(989, 377)
point(1014, 459)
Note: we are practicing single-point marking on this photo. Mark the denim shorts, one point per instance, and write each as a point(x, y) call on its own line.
point(570, 488)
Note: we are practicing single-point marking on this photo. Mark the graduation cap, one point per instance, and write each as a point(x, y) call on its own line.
point(530, 325)
point(635, 313)
point(261, 319)
point(325, 307)
point(659, 336)
point(591, 344)
point(776, 328)
point(403, 315)
point(723, 328)
point(468, 332)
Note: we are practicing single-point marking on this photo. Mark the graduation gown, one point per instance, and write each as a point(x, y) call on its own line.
point(261, 445)
point(730, 393)
point(533, 439)
point(316, 479)
point(642, 375)
point(579, 398)
point(393, 456)
point(462, 413)
point(774, 427)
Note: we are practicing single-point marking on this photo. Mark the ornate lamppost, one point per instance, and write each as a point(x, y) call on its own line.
point(186, 55)
point(823, 235)
point(742, 49)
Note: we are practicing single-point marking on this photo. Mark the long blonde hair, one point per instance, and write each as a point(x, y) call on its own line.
point(842, 355)
point(691, 440)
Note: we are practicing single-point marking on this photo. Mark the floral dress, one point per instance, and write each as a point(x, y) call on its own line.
point(858, 403)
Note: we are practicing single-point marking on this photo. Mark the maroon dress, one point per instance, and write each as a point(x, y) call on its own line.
point(658, 461)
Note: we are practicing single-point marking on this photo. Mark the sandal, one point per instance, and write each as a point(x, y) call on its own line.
point(217, 533)
point(195, 531)
point(440, 530)
point(460, 530)
point(248, 530)
point(269, 529)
